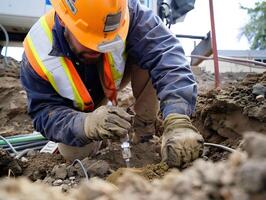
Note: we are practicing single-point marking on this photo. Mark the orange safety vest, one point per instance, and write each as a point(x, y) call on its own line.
point(60, 71)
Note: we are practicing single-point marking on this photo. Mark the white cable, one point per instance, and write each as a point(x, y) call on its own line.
point(7, 42)
point(220, 146)
point(82, 167)
point(9, 144)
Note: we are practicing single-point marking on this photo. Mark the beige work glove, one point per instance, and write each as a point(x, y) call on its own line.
point(107, 122)
point(181, 141)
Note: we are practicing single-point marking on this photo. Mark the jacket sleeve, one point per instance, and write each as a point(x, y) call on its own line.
point(156, 49)
point(53, 115)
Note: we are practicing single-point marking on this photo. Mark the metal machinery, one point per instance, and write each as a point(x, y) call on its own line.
point(18, 16)
point(170, 11)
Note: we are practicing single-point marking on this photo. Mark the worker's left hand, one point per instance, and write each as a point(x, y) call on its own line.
point(181, 141)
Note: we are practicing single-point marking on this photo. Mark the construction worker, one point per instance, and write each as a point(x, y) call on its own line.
point(80, 54)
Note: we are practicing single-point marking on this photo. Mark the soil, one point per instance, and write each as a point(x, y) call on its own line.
point(13, 107)
point(140, 156)
point(223, 116)
point(149, 172)
point(40, 165)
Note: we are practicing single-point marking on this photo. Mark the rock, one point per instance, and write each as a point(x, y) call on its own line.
point(255, 145)
point(260, 98)
point(48, 180)
point(13, 106)
point(98, 168)
point(67, 181)
point(252, 175)
point(58, 182)
point(65, 188)
point(9, 164)
point(60, 171)
point(23, 159)
point(259, 89)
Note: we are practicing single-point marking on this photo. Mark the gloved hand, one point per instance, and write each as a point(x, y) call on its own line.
point(107, 122)
point(181, 141)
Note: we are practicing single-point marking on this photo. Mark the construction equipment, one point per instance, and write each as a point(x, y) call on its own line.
point(170, 11)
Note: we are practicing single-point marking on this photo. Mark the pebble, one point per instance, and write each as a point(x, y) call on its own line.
point(58, 182)
point(260, 98)
point(259, 89)
point(60, 171)
point(65, 188)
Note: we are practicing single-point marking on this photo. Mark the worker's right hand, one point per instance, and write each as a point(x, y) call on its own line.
point(107, 122)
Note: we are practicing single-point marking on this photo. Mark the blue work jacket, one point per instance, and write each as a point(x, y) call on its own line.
point(149, 43)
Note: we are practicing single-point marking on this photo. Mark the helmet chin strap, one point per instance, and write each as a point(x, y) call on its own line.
point(116, 44)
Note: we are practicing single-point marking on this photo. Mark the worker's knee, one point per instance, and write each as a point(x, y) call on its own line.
point(71, 153)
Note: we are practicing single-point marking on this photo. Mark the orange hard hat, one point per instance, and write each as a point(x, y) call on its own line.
point(101, 25)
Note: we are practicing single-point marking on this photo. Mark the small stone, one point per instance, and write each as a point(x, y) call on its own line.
point(259, 89)
point(72, 178)
point(23, 159)
point(58, 182)
point(251, 176)
point(66, 181)
point(65, 188)
point(260, 98)
point(22, 92)
point(48, 180)
point(255, 145)
point(60, 171)
point(13, 106)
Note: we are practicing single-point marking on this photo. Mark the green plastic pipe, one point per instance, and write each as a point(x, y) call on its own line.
point(30, 138)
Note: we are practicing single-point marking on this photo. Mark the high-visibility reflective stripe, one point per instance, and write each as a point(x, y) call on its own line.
point(61, 72)
point(85, 95)
point(115, 72)
point(77, 98)
point(46, 29)
point(53, 66)
point(38, 59)
point(109, 84)
point(117, 65)
point(33, 60)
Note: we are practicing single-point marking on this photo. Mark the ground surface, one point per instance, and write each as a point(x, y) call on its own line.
point(221, 116)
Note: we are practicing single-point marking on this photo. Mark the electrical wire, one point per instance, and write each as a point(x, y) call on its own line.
point(9, 144)
point(82, 167)
point(7, 42)
point(220, 146)
point(22, 153)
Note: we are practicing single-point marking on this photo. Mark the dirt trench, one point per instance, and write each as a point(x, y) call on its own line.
point(221, 116)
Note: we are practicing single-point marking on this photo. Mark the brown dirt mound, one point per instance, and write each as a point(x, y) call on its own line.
point(149, 172)
point(13, 103)
point(241, 177)
point(142, 154)
point(40, 165)
point(231, 111)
